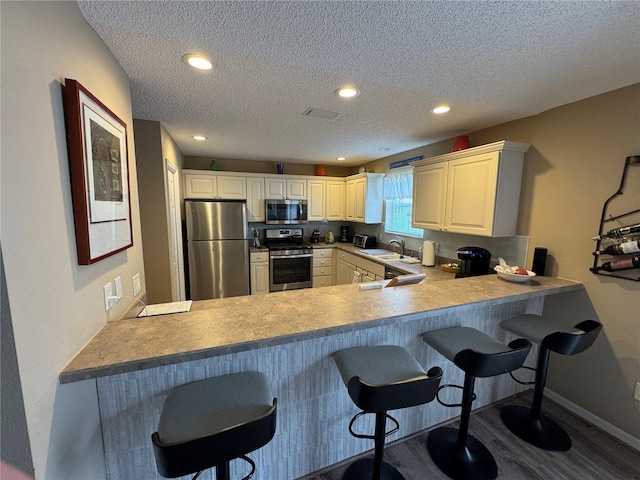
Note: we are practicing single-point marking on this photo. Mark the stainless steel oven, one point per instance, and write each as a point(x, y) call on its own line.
point(290, 259)
point(290, 269)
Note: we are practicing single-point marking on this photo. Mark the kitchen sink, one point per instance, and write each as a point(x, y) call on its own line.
point(389, 257)
point(376, 251)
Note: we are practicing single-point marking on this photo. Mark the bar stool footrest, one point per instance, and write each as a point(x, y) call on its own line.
point(543, 432)
point(472, 461)
point(363, 469)
point(372, 437)
point(521, 382)
point(450, 385)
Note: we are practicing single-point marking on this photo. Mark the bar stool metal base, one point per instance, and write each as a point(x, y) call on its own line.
point(543, 432)
point(470, 462)
point(363, 470)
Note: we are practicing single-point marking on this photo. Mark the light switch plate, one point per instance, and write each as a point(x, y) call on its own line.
point(108, 292)
point(118, 283)
point(136, 284)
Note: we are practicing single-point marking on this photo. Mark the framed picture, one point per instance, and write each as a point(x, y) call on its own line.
point(99, 170)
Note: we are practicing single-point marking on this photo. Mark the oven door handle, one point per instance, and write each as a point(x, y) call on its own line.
point(304, 255)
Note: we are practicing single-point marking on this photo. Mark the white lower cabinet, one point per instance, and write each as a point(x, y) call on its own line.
point(259, 272)
point(322, 267)
point(350, 266)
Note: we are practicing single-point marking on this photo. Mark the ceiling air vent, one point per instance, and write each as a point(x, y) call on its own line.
point(319, 113)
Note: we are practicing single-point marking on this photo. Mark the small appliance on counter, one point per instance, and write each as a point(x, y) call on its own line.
point(428, 253)
point(364, 241)
point(315, 235)
point(475, 261)
point(344, 235)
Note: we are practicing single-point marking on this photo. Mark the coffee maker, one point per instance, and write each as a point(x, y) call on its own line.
point(475, 261)
point(344, 235)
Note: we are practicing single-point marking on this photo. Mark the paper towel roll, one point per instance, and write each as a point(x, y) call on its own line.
point(428, 254)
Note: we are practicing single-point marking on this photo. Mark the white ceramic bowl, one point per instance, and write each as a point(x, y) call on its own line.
point(514, 277)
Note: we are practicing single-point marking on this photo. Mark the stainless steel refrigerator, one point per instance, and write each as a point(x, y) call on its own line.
point(218, 249)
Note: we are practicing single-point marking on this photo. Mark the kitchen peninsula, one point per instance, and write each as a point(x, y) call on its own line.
point(290, 336)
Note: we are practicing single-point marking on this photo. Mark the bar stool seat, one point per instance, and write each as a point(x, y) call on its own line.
point(378, 379)
point(552, 335)
point(458, 454)
point(210, 422)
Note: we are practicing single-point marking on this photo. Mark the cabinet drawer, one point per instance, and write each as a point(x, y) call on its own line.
point(321, 262)
point(258, 257)
point(322, 281)
point(320, 271)
point(322, 252)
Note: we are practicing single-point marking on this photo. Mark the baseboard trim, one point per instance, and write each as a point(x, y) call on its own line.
point(607, 427)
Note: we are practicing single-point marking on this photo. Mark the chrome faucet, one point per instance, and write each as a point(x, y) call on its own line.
point(399, 242)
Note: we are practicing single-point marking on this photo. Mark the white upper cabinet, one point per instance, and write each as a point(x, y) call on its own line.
point(285, 188)
point(213, 185)
point(316, 193)
point(255, 199)
point(474, 191)
point(334, 203)
point(364, 196)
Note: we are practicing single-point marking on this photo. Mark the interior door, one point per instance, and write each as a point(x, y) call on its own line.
point(175, 234)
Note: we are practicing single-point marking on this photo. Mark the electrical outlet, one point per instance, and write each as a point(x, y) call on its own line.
point(136, 284)
point(636, 392)
point(108, 292)
point(118, 283)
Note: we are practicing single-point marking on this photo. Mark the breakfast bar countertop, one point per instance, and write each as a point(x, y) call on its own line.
point(228, 325)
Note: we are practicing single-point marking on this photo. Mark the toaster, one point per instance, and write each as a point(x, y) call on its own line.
point(364, 241)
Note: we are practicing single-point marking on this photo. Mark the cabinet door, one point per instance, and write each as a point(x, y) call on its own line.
point(471, 194)
point(350, 202)
point(255, 199)
point(344, 272)
point(259, 278)
point(360, 195)
point(316, 193)
point(275, 188)
point(334, 204)
point(429, 196)
point(200, 186)
point(296, 189)
point(232, 187)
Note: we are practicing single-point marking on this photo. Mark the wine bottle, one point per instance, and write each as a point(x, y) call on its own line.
point(619, 232)
point(620, 249)
point(618, 265)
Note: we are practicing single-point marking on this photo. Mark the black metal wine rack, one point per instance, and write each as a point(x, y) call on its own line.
point(630, 217)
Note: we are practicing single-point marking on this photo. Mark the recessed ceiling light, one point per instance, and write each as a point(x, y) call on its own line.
point(199, 137)
point(347, 92)
point(341, 159)
point(441, 109)
point(197, 61)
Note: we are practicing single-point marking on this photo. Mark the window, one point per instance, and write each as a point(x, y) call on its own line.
point(398, 203)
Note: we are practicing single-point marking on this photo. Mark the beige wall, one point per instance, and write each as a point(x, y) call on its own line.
point(154, 147)
point(258, 166)
point(575, 163)
point(56, 305)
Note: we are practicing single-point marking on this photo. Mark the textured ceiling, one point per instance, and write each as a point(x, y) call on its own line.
point(272, 60)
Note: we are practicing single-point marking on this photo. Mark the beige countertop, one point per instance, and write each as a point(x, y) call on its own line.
point(228, 325)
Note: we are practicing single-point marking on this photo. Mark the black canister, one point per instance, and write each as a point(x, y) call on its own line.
point(475, 261)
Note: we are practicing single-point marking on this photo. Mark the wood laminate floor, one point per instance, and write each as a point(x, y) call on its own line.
point(594, 455)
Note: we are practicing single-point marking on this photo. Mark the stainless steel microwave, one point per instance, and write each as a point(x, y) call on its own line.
point(285, 212)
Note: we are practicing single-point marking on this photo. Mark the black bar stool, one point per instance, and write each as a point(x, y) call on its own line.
point(210, 422)
point(530, 424)
point(382, 378)
point(459, 455)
